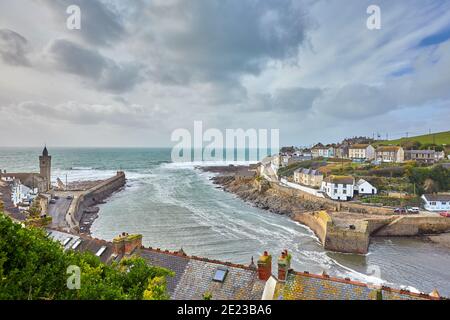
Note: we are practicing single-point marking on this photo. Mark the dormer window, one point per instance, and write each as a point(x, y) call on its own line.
point(76, 244)
point(220, 274)
point(100, 251)
point(66, 241)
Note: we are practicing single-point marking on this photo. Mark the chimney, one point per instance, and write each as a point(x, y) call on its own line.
point(126, 243)
point(265, 266)
point(284, 264)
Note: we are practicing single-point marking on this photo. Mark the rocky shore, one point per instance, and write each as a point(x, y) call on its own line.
point(346, 231)
point(261, 196)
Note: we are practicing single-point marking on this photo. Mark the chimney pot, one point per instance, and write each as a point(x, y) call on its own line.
point(264, 266)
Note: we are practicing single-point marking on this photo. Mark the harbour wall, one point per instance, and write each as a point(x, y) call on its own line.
point(341, 238)
point(92, 196)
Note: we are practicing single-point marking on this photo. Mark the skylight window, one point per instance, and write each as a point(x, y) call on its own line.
point(220, 274)
point(66, 241)
point(100, 251)
point(76, 244)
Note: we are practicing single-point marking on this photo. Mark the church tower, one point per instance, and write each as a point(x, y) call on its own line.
point(45, 165)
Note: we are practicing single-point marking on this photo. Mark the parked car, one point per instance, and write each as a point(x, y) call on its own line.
point(53, 201)
point(55, 197)
point(445, 214)
point(413, 210)
point(400, 211)
point(69, 197)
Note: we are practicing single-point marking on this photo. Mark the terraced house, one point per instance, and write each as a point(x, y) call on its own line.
point(196, 277)
point(390, 154)
point(361, 152)
point(308, 177)
point(425, 156)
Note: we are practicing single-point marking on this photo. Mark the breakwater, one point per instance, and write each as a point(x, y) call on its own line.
point(92, 196)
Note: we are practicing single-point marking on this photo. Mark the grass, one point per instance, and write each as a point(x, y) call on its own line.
point(438, 138)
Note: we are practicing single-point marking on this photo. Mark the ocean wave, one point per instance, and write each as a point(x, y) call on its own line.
point(81, 168)
point(193, 164)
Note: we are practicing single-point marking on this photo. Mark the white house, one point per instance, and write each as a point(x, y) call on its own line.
point(21, 193)
point(339, 187)
point(319, 150)
point(361, 152)
point(436, 202)
point(362, 187)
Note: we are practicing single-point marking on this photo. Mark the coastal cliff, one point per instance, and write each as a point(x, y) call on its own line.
point(347, 227)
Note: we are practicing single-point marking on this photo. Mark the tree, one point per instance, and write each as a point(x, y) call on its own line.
point(156, 289)
point(34, 267)
point(430, 186)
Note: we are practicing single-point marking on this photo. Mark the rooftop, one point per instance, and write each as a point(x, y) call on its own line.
point(195, 276)
point(359, 146)
point(340, 179)
point(437, 197)
point(388, 148)
point(306, 286)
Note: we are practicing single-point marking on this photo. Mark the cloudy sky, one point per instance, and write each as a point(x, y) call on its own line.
point(136, 72)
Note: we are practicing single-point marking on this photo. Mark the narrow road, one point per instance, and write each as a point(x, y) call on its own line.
point(58, 212)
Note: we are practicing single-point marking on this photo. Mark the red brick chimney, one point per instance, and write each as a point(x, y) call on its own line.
point(127, 243)
point(265, 266)
point(284, 264)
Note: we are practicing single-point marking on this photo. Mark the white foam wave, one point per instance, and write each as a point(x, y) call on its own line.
point(193, 164)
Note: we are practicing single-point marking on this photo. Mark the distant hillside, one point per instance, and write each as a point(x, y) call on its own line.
point(438, 138)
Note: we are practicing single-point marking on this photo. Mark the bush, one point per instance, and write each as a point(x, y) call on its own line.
point(34, 267)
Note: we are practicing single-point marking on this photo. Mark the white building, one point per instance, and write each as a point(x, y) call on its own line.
point(436, 202)
point(21, 193)
point(362, 187)
point(361, 152)
point(339, 187)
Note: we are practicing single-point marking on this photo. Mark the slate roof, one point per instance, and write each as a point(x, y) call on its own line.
point(340, 179)
point(437, 197)
point(176, 263)
point(388, 148)
point(86, 244)
point(194, 277)
point(359, 146)
point(240, 283)
point(420, 151)
point(305, 286)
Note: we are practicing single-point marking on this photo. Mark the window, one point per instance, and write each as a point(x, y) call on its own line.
point(100, 251)
point(433, 203)
point(66, 241)
point(76, 244)
point(220, 274)
point(344, 191)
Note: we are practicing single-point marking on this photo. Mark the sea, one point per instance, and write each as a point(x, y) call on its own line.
point(175, 205)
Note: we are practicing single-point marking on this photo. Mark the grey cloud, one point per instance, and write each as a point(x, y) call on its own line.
point(103, 73)
point(218, 40)
point(289, 100)
point(13, 48)
point(354, 101)
point(101, 24)
point(87, 114)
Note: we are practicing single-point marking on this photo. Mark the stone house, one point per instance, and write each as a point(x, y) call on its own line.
point(390, 154)
point(308, 177)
